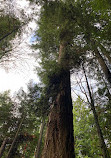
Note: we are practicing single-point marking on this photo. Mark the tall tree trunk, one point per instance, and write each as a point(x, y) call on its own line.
point(103, 66)
point(101, 61)
point(108, 90)
point(15, 138)
point(105, 52)
point(3, 147)
point(59, 141)
point(37, 155)
point(101, 138)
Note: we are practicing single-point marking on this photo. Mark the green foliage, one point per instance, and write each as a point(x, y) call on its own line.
point(72, 23)
point(8, 29)
point(103, 101)
point(60, 18)
point(7, 23)
point(85, 134)
point(57, 24)
point(33, 107)
point(6, 114)
point(101, 5)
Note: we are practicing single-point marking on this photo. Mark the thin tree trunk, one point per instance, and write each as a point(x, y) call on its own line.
point(15, 29)
point(108, 91)
point(59, 142)
point(16, 135)
point(106, 84)
point(108, 57)
point(103, 66)
point(101, 138)
point(101, 61)
point(37, 155)
point(105, 53)
point(3, 147)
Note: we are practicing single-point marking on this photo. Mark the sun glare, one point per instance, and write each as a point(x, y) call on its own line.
point(12, 81)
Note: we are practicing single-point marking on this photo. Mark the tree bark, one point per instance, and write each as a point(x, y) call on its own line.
point(108, 57)
point(16, 135)
point(3, 147)
point(103, 66)
point(106, 53)
point(100, 134)
point(59, 142)
point(101, 61)
point(108, 91)
point(37, 155)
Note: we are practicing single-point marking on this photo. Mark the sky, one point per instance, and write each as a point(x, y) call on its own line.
point(15, 80)
point(20, 69)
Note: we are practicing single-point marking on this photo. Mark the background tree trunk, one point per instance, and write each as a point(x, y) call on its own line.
point(16, 135)
point(37, 155)
point(106, 53)
point(3, 147)
point(103, 66)
point(100, 134)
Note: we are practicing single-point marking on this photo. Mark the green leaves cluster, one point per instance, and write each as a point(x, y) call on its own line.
point(9, 27)
point(6, 114)
point(85, 134)
point(33, 107)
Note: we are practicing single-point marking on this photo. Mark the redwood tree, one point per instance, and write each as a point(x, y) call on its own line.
point(56, 34)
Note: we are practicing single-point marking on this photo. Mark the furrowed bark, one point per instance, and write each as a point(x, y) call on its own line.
point(59, 142)
point(99, 131)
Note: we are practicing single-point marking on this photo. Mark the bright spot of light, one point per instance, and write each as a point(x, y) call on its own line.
point(12, 81)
